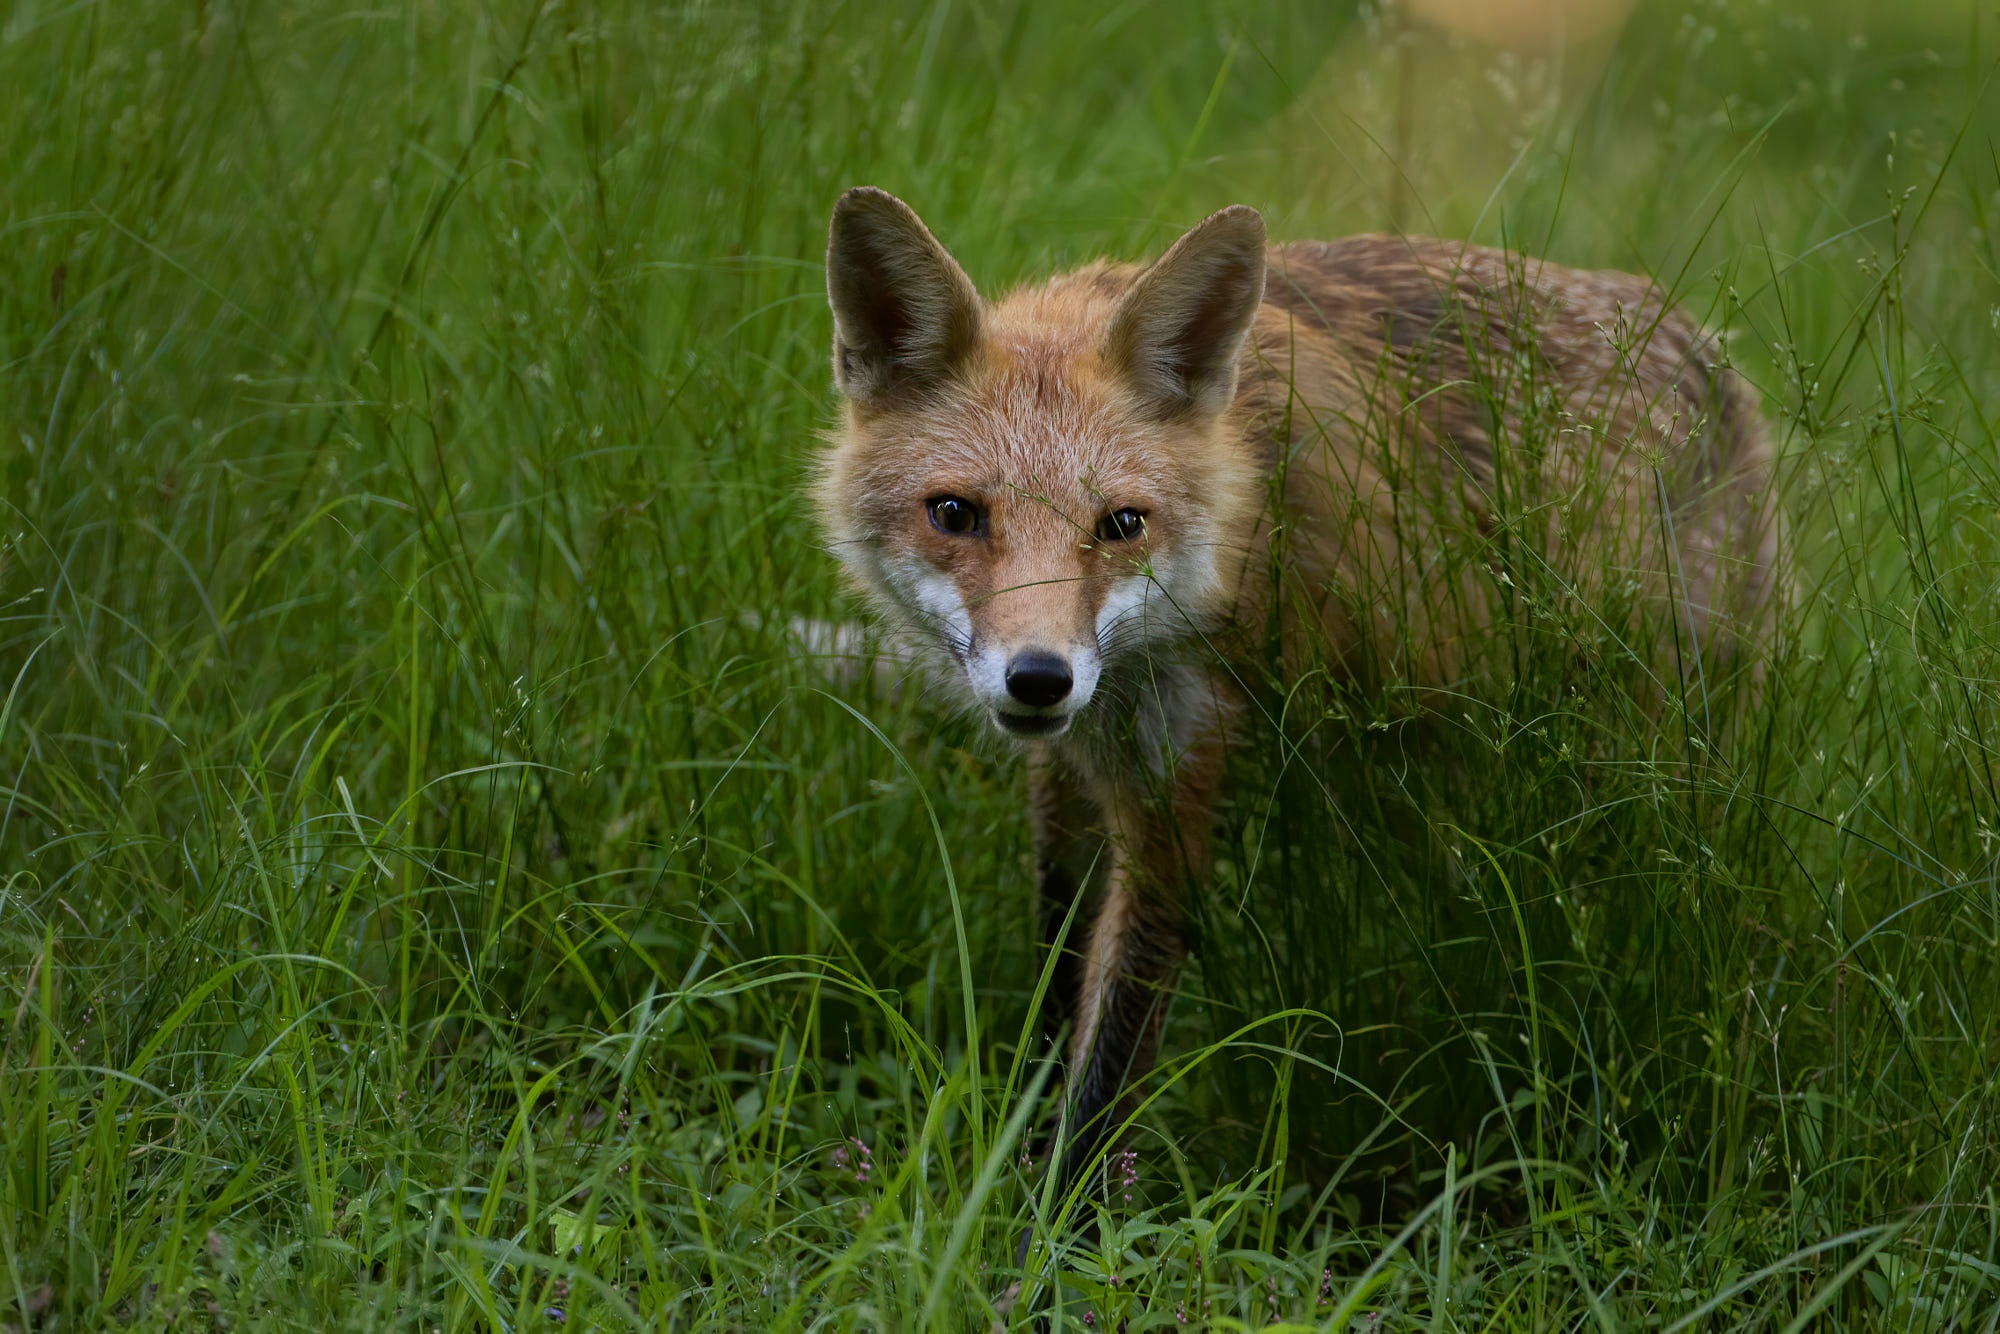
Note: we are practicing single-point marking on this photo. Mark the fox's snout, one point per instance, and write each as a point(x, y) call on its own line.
point(1030, 678)
point(1040, 690)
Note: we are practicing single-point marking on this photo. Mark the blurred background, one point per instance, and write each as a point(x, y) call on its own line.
point(409, 839)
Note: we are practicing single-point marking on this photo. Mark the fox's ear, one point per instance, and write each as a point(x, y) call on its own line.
point(1177, 334)
point(904, 313)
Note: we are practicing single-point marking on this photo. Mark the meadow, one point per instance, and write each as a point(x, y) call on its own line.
point(438, 890)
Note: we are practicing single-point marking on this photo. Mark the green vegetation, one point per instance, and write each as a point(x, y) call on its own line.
point(427, 899)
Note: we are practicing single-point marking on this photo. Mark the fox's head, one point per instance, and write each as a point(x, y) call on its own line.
point(1045, 488)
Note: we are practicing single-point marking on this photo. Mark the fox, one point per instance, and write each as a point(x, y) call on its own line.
point(1085, 507)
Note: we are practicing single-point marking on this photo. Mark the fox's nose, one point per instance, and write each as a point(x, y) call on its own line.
point(1038, 679)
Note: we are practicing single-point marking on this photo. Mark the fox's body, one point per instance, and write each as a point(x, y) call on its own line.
point(1095, 498)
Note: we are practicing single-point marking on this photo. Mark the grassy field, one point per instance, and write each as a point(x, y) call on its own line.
point(429, 899)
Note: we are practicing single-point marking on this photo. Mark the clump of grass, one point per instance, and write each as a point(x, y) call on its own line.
point(425, 897)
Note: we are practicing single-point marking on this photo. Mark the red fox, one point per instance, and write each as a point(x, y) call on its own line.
point(1089, 503)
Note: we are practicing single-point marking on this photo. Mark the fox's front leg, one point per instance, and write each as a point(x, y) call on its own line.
point(1069, 853)
point(1137, 945)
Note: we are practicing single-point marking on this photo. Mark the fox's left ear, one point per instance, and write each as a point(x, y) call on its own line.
point(1179, 331)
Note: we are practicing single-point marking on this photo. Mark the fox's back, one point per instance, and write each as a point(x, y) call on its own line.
point(1440, 410)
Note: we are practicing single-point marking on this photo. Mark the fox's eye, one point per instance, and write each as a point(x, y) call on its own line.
point(953, 515)
point(1124, 525)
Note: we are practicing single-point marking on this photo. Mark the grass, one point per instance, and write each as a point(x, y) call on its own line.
point(426, 899)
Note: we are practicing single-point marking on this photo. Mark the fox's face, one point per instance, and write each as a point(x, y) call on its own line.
point(1040, 488)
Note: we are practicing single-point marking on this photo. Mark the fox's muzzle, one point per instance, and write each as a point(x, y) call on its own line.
point(1032, 691)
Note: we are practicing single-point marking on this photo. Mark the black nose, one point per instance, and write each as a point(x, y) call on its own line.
point(1038, 679)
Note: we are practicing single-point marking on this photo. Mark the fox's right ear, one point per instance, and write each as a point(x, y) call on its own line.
point(904, 313)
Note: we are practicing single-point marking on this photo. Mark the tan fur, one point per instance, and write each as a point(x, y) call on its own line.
point(1386, 422)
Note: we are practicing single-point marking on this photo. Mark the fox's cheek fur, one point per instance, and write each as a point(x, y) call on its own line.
point(1158, 607)
point(933, 597)
point(1126, 618)
point(939, 614)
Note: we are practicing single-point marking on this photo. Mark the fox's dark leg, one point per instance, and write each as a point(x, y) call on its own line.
point(1069, 852)
point(1137, 944)
point(1136, 949)
point(1124, 978)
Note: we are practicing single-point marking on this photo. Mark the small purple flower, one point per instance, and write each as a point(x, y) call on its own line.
point(862, 1160)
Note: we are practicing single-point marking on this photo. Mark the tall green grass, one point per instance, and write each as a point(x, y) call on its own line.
point(426, 898)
